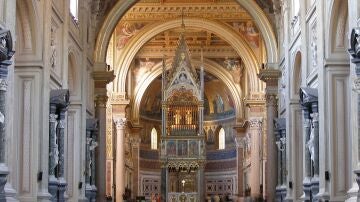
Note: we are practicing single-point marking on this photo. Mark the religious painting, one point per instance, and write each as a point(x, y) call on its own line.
point(171, 148)
point(125, 31)
point(193, 148)
point(182, 148)
point(249, 31)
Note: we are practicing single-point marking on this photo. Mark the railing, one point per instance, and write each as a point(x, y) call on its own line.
point(182, 197)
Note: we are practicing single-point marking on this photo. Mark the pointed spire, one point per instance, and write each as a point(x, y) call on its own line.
point(182, 21)
point(163, 83)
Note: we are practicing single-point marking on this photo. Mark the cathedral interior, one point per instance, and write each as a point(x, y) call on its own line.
point(179, 100)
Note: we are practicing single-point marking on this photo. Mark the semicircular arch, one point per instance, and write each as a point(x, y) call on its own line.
point(225, 32)
point(252, 7)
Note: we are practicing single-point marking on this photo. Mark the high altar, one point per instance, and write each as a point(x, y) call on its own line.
point(183, 149)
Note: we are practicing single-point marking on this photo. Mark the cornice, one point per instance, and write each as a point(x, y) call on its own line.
point(269, 76)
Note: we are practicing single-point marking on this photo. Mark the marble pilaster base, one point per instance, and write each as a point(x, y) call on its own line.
point(93, 193)
point(88, 192)
point(10, 193)
point(315, 185)
point(307, 189)
point(62, 189)
point(53, 188)
point(283, 192)
point(278, 194)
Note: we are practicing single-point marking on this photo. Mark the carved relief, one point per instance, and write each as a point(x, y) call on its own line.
point(313, 45)
point(53, 51)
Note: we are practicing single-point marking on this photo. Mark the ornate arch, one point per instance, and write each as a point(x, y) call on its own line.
point(225, 32)
point(209, 66)
point(121, 7)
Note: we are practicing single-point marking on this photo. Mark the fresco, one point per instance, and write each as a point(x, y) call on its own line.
point(249, 31)
point(125, 31)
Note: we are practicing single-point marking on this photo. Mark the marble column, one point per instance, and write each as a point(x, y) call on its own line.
point(355, 55)
point(53, 152)
point(164, 180)
point(201, 183)
point(93, 147)
point(256, 133)
point(307, 164)
point(271, 162)
point(282, 149)
point(240, 146)
point(120, 123)
point(315, 181)
point(136, 163)
point(100, 114)
point(240, 161)
point(277, 134)
point(88, 166)
point(270, 76)
point(6, 54)
point(59, 101)
point(61, 167)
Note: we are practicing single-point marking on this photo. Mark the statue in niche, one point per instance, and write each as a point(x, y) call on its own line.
point(310, 143)
point(188, 117)
point(247, 143)
point(177, 117)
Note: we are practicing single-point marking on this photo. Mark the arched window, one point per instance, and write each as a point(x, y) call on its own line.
point(153, 139)
point(222, 138)
point(74, 9)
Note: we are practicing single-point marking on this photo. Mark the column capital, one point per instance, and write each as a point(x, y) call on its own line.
point(120, 122)
point(100, 100)
point(241, 127)
point(255, 122)
point(135, 141)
